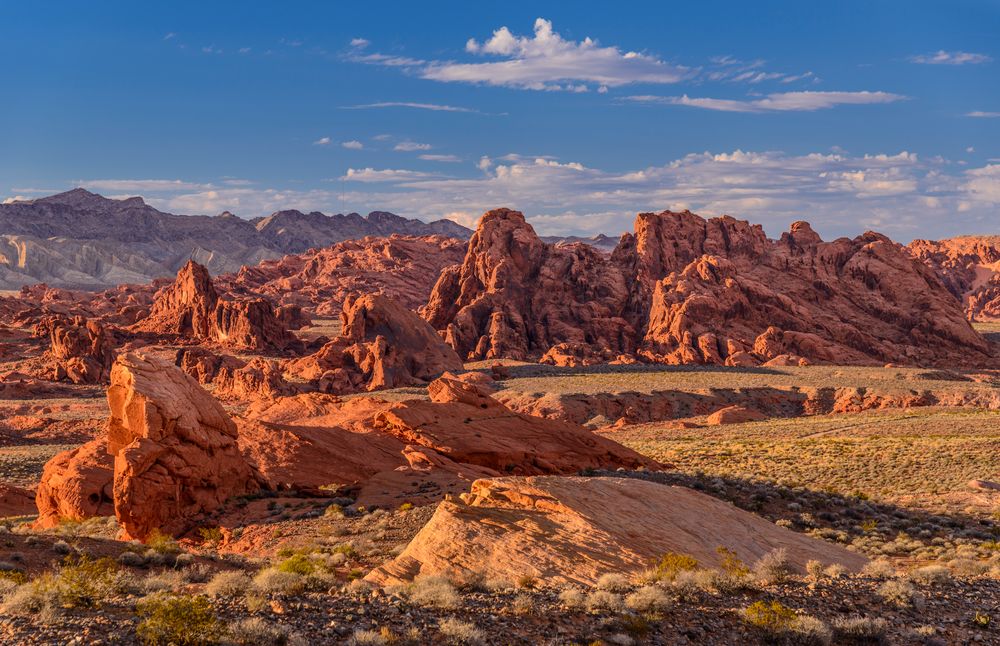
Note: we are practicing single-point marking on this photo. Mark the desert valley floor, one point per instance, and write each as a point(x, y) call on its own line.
point(702, 437)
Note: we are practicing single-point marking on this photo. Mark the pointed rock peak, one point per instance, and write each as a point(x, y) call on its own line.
point(502, 214)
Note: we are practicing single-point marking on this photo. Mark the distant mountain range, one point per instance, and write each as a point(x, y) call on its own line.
point(82, 240)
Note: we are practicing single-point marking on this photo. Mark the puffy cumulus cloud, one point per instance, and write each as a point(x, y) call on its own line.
point(353, 144)
point(322, 141)
point(360, 43)
point(805, 101)
point(941, 57)
point(983, 184)
point(544, 61)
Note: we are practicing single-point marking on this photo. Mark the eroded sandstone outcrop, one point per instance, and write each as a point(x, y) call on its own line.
point(80, 351)
point(572, 530)
point(190, 307)
point(683, 289)
point(381, 345)
point(174, 447)
point(970, 267)
point(76, 484)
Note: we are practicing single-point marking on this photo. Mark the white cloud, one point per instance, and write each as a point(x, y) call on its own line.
point(139, 185)
point(409, 104)
point(942, 57)
point(983, 115)
point(360, 43)
point(385, 175)
point(169, 35)
point(353, 144)
point(806, 101)
point(411, 146)
point(441, 158)
point(322, 141)
point(244, 50)
point(16, 198)
point(543, 61)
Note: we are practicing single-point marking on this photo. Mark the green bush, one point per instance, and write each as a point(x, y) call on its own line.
point(770, 618)
point(672, 564)
point(83, 581)
point(298, 564)
point(180, 620)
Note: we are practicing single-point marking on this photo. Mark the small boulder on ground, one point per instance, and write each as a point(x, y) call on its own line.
point(734, 415)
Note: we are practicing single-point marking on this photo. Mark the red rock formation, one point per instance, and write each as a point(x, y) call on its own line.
point(683, 289)
point(320, 280)
point(258, 378)
point(970, 267)
point(515, 296)
point(416, 450)
point(81, 351)
point(15, 501)
point(190, 307)
point(174, 447)
point(734, 415)
point(571, 531)
point(382, 345)
point(76, 484)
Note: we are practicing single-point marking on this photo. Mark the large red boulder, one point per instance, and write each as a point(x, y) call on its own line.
point(76, 484)
point(174, 447)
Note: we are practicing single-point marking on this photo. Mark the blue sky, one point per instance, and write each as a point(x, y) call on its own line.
point(852, 115)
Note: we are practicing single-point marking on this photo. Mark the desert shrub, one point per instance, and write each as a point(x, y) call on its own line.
point(527, 582)
point(523, 604)
point(362, 637)
point(809, 631)
point(228, 584)
point(162, 543)
point(773, 567)
point(131, 559)
point(613, 582)
point(732, 565)
point(835, 571)
point(83, 581)
point(455, 631)
point(256, 631)
point(599, 600)
point(648, 600)
point(273, 581)
point(880, 569)
point(38, 597)
point(930, 575)
point(179, 620)
point(687, 585)
point(772, 619)
point(298, 564)
point(814, 569)
point(572, 598)
point(62, 547)
point(434, 591)
point(211, 535)
point(165, 580)
point(671, 564)
point(897, 592)
point(860, 630)
point(334, 511)
point(967, 567)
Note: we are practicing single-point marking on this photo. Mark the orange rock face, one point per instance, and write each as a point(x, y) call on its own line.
point(174, 447)
point(15, 501)
point(970, 267)
point(515, 296)
point(320, 280)
point(734, 415)
point(76, 484)
point(81, 351)
point(683, 289)
point(190, 307)
point(572, 530)
point(416, 450)
point(382, 345)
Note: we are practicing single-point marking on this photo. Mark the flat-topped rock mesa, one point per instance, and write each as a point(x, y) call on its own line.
point(320, 280)
point(190, 307)
point(970, 267)
point(82, 240)
point(381, 345)
point(683, 289)
point(572, 530)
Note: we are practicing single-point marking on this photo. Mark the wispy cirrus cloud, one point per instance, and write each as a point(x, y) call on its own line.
point(383, 175)
point(941, 57)
point(805, 101)
point(980, 114)
point(437, 107)
point(323, 141)
point(411, 146)
point(441, 158)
